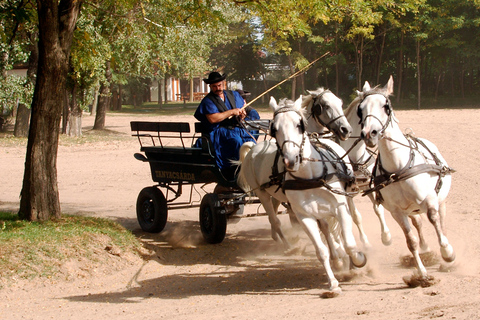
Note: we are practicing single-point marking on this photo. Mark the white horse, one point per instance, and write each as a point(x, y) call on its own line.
point(325, 195)
point(324, 111)
point(363, 161)
point(411, 177)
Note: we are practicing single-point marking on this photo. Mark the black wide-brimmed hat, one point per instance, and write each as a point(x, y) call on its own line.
point(214, 77)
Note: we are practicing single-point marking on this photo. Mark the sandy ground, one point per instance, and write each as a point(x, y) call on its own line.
point(247, 276)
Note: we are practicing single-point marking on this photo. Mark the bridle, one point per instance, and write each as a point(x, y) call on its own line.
point(388, 110)
point(302, 127)
point(319, 108)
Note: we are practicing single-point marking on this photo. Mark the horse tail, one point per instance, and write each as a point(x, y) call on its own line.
point(241, 179)
point(245, 149)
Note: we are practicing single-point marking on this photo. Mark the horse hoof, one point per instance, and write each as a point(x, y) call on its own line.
point(292, 251)
point(331, 294)
point(422, 281)
point(448, 267)
point(359, 260)
point(447, 253)
point(386, 238)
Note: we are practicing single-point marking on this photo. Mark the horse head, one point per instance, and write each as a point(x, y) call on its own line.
point(375, 111)
point(288, 129)
point(326, 110)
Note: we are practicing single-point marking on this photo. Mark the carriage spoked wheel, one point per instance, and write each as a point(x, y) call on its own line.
point(152, 210)
point(213, 222)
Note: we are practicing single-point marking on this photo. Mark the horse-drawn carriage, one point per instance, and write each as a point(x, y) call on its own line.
point(175, 162)
point(315, 179)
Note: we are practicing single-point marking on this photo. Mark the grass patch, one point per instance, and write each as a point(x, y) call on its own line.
point(31, 250)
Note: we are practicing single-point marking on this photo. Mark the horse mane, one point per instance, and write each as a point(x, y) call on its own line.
point(307, 100)
point(352, 107)
point(287, 103)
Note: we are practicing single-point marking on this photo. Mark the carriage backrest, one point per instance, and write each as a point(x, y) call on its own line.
point(151, 133)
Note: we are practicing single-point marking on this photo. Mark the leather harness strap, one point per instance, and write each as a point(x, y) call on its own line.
point(385, 178)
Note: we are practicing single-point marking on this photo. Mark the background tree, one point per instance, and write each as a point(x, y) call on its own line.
point(39, 196)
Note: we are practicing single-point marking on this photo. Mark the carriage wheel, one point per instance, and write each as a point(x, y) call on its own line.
point(152, 210)
point(212, 223)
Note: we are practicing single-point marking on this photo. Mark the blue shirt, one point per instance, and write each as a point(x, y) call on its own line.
point(207, 106)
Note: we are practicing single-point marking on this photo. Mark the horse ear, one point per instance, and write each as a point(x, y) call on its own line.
point(298, 103)
point(366, 86)
point(389, 86)
point(273, 103)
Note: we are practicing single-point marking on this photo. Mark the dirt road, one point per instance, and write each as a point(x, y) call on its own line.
point(247, 276)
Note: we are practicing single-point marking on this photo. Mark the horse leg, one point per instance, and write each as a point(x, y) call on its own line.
point(358, 258)
point(380, 212)
point(310, 226)
point(417, 223)
point(332, 244)
point(293, 218)
point(436, 217)
point(412, 242)
point(357, 219)
point(275, 224)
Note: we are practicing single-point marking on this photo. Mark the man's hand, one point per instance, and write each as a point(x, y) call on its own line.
point(220, 116)
point(239, 112)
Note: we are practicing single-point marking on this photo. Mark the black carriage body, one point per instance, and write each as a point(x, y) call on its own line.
point(180, 163)
point(169, 149)
point(190, 165)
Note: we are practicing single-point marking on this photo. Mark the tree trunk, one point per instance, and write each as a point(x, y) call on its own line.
point(119, 100)
point(74, 128)
point(103, 100)
point(39, 199)
point(380, 55)
point(66, 112)
point(22, 113)
point(418, 76)
point(294, 80)
point(337, 73)
point(191, 90)
point(438, 85)
point(400, 68)
point(462, 83)
point(93, 111)
point(114, 99)
point(22, 121)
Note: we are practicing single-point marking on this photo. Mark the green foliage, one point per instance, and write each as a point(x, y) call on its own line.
point(33, 249)
point(13, 90)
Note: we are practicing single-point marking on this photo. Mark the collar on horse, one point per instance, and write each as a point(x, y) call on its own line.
point(327, 154)
point(384, 178)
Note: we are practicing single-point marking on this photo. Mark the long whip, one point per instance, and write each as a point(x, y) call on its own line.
point(293, 75)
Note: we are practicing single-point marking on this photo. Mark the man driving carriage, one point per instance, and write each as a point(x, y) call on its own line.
point(221, 113)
